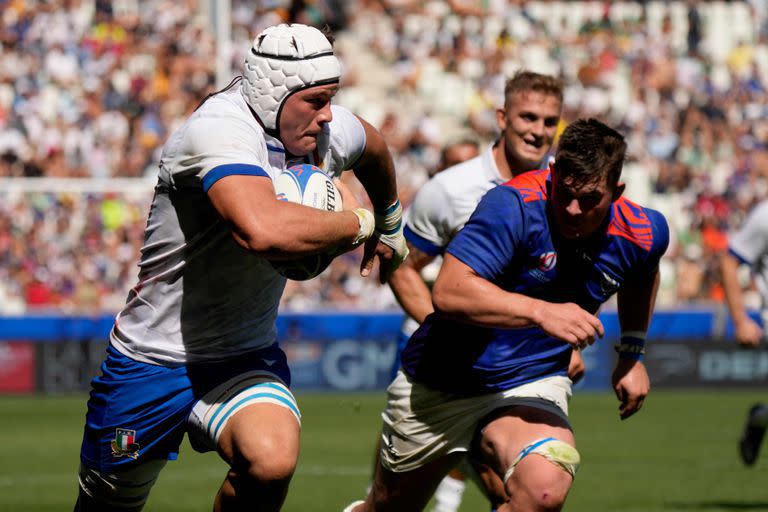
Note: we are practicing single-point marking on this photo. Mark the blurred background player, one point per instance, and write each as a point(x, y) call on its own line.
point(194, 349)
point(749, 246)
point(528, 123)
point(448, 494)
point(519, 286)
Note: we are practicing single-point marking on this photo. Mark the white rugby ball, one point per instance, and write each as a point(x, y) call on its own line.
point(308, 185)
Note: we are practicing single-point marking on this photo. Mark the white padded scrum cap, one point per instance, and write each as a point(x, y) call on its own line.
point(285, 59)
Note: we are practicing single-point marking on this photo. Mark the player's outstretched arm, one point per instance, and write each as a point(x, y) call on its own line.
point(630, 379)
point(461, 293)
point(376, 172)
point(748, 332)
point(280, 229)
point(410, 290)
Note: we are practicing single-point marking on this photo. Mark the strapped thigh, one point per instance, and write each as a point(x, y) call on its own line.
point(554, 450)
point(211, 413)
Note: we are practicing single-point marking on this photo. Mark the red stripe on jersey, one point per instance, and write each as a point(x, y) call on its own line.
point(532, 185)
point(630, 221)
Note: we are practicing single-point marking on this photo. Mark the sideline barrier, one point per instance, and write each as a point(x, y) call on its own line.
point(345, 351)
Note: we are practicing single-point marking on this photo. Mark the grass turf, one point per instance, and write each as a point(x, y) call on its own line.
point(678, 454)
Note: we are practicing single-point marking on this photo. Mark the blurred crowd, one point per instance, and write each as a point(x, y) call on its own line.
point(89, 90)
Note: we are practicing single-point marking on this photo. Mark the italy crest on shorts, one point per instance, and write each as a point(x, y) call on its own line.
point(125, 444)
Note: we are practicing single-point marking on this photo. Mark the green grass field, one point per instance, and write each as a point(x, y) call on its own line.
point(678, 454)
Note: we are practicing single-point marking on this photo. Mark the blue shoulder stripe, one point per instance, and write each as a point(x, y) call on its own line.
point(739, 257)
point(223, 171)
point(422, 243)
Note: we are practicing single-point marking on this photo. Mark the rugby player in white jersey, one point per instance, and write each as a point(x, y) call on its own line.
point(749, 246)
point(528, 123)
point(194, 349)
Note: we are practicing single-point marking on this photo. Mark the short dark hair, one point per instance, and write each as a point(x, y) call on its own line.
point(524, 81)
point(589, 151)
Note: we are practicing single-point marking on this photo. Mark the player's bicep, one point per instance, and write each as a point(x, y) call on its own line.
point(457, 285)
point(244, 202)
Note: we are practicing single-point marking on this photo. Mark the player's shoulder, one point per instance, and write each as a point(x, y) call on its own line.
point(342, 114)
point(531, 185)
point(643, 227)
point(760, 211)
point(454, 182)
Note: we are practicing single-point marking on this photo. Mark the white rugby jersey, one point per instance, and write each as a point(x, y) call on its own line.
point(201, 296)
point(444, 204)
point(750, 245)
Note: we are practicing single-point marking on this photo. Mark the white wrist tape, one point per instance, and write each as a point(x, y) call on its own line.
point(389, 221)
point(366, 224)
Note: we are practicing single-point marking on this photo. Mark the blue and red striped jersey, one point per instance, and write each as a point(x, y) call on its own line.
point(509, 241)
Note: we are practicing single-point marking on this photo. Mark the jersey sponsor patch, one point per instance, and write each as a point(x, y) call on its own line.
point(124, 444)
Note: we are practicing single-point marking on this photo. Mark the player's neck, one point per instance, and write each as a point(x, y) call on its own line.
point(502, 163)
point(508, 164)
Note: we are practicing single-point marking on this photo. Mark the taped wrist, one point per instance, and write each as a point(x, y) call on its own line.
point(632, 345)
point(390, 220)
point(366, 223)
point(389, 228)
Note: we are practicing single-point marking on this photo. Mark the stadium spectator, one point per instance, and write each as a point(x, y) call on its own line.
point(749, 246)
point(194, 348)
point(524, 277)
point(141, 71)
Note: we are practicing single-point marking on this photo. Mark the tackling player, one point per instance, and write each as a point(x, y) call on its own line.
point(194, 349)
point(528, 123)
point(519, 287)
point(749, 246)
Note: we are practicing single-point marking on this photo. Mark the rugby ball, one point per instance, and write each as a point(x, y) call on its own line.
point(308, 185)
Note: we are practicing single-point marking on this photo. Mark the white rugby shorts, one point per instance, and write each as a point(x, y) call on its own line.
point(422, 424)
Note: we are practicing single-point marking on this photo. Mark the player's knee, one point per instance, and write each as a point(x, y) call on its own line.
point(550, 466)
point(547, 492)
point(267, 459)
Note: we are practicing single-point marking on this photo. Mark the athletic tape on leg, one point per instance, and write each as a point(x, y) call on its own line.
point(211, 414)
point(554, 450)
point(123, 490)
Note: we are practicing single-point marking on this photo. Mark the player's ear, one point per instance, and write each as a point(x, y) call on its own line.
point(501, 118)
point(618, 191)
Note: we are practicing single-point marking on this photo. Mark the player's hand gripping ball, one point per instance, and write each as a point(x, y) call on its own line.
point(308, 185)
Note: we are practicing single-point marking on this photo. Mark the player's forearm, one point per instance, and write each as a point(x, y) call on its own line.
point(479, 302)
point(636, 301)
point(731, 287)
point(293, 230)
point(411, 292)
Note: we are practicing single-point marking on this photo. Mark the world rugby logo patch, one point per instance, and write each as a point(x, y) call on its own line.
point(547, 261)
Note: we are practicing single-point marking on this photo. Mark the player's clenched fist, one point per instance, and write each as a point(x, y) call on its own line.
point(570, 323)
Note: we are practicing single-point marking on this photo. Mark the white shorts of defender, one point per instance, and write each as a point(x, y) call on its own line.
point(422, 424)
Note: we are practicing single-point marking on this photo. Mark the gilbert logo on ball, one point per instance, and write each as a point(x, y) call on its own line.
point(309, 186)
